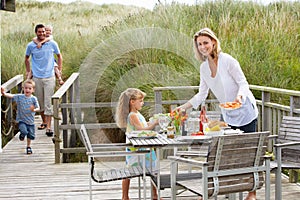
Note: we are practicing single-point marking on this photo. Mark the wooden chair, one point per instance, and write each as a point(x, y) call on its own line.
point(234, 163)
point(100, 150)
point(287, 151)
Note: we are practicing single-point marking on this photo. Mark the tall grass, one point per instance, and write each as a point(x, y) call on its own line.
point(264, 39)
point(76, 27)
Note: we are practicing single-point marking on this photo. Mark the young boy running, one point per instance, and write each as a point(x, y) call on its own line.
point(27, 105)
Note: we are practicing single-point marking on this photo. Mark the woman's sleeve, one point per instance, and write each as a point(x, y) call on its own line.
point(201, 95)
point(236, 71)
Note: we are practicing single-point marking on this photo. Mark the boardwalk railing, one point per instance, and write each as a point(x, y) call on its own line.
point(67, 108)
point(271, 110)
point(63, 99)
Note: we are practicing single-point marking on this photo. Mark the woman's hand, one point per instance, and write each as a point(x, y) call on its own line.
point(238, 99)
point(185, 106)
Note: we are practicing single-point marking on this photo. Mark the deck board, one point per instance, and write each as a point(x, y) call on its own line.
point(36, 177)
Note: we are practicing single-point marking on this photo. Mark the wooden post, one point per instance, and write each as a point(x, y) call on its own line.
point(77, 99)
point(73, 136)
point(9, 116)
point(266, 112)
point(56, 138)
point(158, 101)
point(65, 132)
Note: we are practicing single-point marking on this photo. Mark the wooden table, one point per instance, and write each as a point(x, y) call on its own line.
point(161, 141)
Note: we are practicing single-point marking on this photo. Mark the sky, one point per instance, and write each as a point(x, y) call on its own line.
point(149, 4)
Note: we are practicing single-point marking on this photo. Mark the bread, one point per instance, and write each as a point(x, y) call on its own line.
point(214, 123)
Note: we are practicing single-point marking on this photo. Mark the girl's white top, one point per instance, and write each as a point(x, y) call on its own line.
point(228, 83)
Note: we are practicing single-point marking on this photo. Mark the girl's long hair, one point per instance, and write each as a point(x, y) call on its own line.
point(123, 107)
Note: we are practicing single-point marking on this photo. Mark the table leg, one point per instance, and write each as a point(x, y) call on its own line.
point(232, 196)
point(158, 173)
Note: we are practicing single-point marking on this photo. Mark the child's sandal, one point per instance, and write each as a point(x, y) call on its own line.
point(28, 150)
point(21, 137)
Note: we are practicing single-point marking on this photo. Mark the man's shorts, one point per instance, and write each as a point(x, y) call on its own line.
point(44, 89)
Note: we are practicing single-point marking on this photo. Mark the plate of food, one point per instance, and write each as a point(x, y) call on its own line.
point(213, 133)
point(142, 134)
point(214, 128)
point(230, 105)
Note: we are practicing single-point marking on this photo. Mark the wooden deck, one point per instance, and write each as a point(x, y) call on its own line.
point(36, 177)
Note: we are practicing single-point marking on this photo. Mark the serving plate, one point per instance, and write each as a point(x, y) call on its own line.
point(214, 133)
point(230, 105)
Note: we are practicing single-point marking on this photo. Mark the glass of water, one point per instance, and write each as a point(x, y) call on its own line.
point(163, 121)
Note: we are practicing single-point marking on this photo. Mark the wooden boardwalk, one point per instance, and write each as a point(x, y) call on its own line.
point(36, 177)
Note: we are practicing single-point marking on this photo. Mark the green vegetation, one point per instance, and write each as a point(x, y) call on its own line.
point(115, 47)
point(77, 27)
point(263, 38)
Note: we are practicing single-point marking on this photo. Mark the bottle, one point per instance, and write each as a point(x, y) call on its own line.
point(203, 118)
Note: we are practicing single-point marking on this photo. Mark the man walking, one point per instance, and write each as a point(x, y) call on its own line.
point(42, 72)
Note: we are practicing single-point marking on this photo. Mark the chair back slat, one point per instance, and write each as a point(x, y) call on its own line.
point(234, 152)
point(290, 132)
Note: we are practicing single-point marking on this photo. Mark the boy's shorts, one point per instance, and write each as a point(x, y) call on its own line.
point(27, 130)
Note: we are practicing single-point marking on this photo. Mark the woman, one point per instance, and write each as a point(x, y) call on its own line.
point(222, 74)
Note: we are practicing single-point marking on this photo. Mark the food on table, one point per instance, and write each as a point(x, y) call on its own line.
point(230, 105)
point(215, 128)
point(197, 134)
point(147, 134)
point(215, 125)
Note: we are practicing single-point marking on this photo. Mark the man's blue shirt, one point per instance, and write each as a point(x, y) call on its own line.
point(42, 59)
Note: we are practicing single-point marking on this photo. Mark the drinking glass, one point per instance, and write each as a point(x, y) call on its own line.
point(163, 122)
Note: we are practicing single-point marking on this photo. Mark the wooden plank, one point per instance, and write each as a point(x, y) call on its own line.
point(27, 177)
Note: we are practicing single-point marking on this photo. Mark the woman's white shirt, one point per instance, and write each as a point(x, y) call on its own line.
point(228, 83)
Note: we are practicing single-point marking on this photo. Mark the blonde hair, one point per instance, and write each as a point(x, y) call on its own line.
point(209, 33)
point(49, 26)
point(123, 107)
point(29, 81)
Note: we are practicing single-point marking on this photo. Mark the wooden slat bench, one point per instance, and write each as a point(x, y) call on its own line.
point(287, 151)
point(235, 163)
point(100, 150)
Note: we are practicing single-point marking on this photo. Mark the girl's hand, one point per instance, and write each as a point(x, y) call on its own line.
point(2, 91)
point(155, 122)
